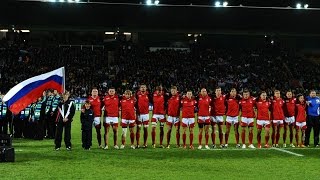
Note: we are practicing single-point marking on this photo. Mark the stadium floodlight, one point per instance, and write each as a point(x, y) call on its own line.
point(4, 30)
point(298, 6)
point(217, 4)
point(156, 2)
point(149, 2)
point(61, 0)
point(225, 4)
point(127, 33)
point(25, 30)
point(70, 1)
point(108, 32)
point(77, 1)
point(306, 6)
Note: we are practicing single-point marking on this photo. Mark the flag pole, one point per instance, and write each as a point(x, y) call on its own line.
point(64, 79)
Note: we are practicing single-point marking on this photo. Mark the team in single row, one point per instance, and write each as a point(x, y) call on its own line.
point(133, 109)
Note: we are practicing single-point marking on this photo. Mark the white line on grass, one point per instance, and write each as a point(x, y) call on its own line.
point(230, 149)
point(289, 152)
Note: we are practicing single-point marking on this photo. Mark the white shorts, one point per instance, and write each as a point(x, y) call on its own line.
point(301, 125)
point(143, 117)
point(263, 123)
point(232, 120)
point(111, 120)
point(217, 119)
point(203, 118)
point(277, 122)
point(125, 122)
point(96, 121)
point(187, 122)
point(246, 121)
point(156, 118)
point(172, 120)
point(289, 120)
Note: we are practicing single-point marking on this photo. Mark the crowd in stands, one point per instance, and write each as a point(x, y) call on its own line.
point(87, 67)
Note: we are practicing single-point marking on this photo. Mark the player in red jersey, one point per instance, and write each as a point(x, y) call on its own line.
point(218, 110)
point(128, 117)
point(301, 124)
point(204, 102)
point(277, 115)
point(232, 106)
point(158, 115)
point(263, 119)
point(173, 115)
point(247, 105)
point(111, 107)
point(96, 106)
point(188, 105)
point(142, 106)
point(289, 122)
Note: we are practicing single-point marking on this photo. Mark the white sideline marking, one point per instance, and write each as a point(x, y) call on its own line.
point(18, 150)
point(289, 152)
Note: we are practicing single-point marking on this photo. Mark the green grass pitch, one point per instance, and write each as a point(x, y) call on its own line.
point(38, 160)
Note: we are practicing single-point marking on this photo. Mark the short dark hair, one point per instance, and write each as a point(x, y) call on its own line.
point(87, 102)
point(246, 91)
point(112, 88)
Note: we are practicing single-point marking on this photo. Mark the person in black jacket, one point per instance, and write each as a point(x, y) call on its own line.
point(66, 111)
point(86, 125)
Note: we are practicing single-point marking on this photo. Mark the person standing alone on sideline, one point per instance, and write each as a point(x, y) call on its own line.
point(66, 111)
point(313, 113)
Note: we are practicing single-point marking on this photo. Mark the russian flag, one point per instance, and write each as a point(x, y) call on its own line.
point(28, 91)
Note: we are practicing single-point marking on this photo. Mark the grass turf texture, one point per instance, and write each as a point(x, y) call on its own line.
point(38, 160)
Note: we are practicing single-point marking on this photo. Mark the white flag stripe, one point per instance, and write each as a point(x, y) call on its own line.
point(19, 86)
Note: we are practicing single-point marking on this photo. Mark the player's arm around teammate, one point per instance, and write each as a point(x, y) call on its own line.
point(188, 120)
point(128, 117)
point(173, 111)
point(111, 106)
point(203, 117)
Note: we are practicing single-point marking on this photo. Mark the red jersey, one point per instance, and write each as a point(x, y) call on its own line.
point(158, 103)
point(218, 106)
point(301, 112)
point(188, 106)
point(204, 105)
point(143, 102)
point(127, 109)
point(111, 106)
point(174, 106)
point(289, 107)
point(232, 106)
point(95, 105)
point(247, 107)
point(263, 110)
point(277, 109)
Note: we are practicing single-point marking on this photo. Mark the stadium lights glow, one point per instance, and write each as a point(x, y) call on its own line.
point(61, 0)
point(127, 33)
point(108, 32)
point(298, 6)
point(217, 4)
point(70, 1)
point(189, 35)
point(4, 30)
point(225, 4)
point(156, 2)
point(306, 6)
point(149, 2)
point(25, 30)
